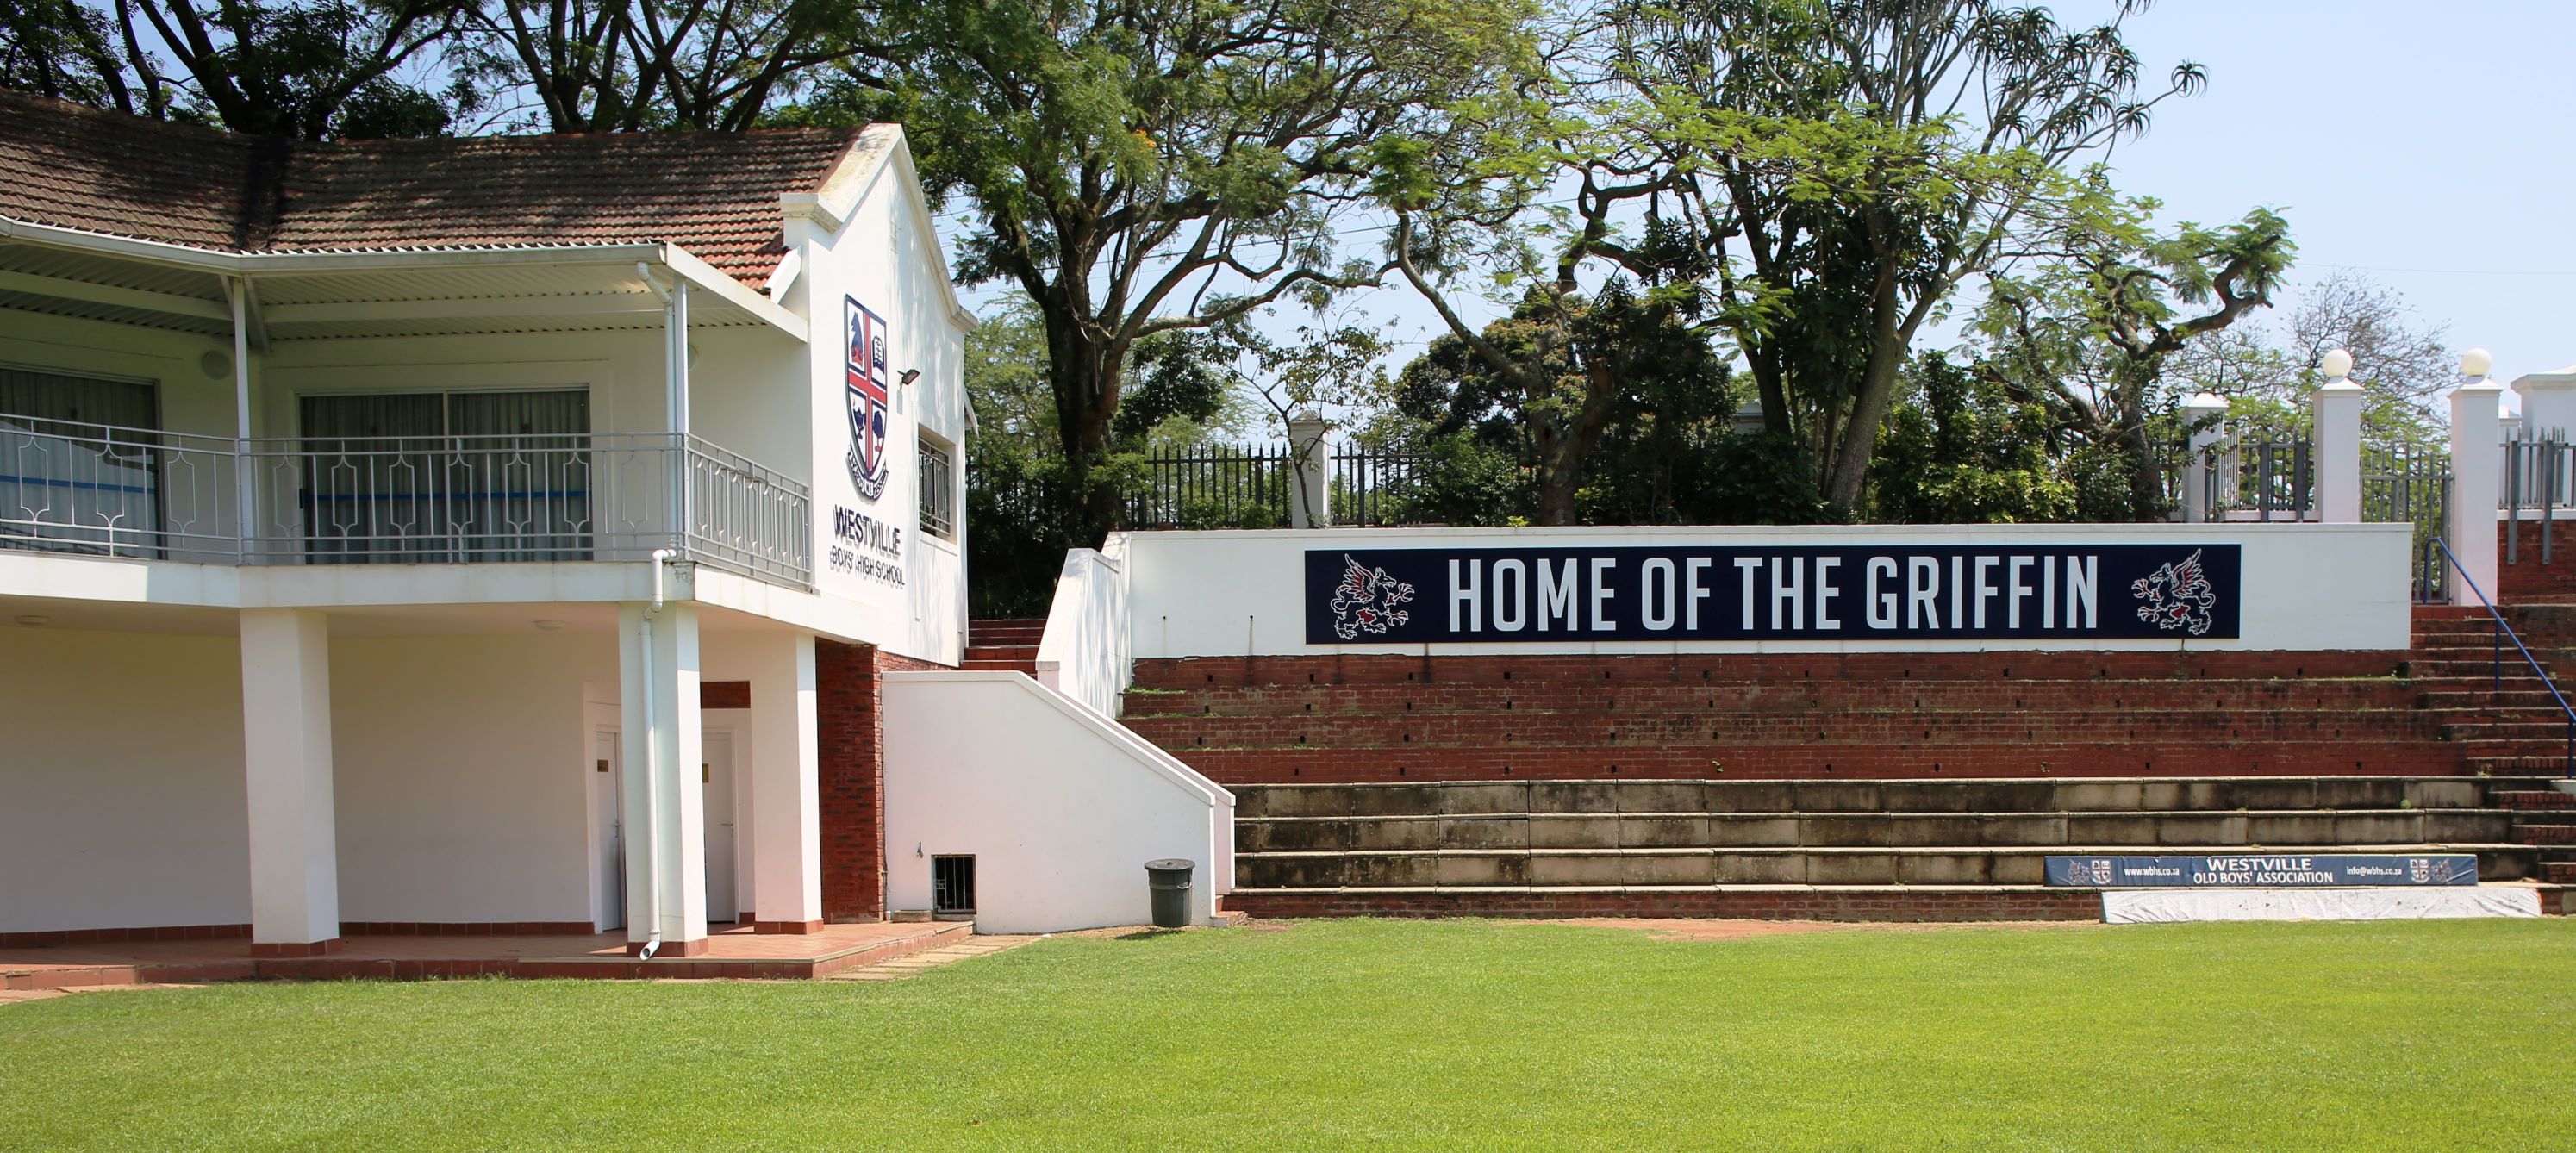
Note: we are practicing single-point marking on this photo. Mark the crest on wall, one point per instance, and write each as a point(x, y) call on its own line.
point(863, 368)
point(2177, 596)
point(1368, 601)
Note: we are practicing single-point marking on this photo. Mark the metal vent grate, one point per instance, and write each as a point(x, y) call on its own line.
point(952, 884)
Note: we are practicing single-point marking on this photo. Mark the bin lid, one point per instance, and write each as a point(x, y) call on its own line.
point(1172, 863)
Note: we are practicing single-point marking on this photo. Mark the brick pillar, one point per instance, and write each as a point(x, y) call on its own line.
point(850, 763)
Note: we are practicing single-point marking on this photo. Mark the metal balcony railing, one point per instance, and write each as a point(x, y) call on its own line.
point(72, 487)
point(400, 500)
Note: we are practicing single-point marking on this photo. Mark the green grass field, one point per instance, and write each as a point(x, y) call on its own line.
point(2429, 1035)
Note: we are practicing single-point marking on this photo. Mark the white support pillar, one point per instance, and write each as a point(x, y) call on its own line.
point(663, 780)
point(786, 797)
point(2337, 428)
point(2548, 402)
point(2477, 471)
point(2202, 413)
point(286, 754)
point(1309, 501)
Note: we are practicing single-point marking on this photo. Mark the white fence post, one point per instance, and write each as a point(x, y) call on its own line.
point(2476, 471)
point(2201, 411)
point(2338, 434)
point(1309, 502)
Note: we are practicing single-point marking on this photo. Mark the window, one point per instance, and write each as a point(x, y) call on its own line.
point(80, 465)
point(462, 476)
point(938, 489)
point(952, 885)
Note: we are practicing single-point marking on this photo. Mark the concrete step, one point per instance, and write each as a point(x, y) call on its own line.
point(2267, 829)
point(1910, 865)
point(1959, 796)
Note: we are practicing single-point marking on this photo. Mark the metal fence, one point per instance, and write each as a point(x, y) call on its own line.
point(1213, 486)
point(1250, 486)
point(2260, 480)
point(1372, 487)
point(70, 487)
point(2402, 486)
point(67, 486)
point(528, 497)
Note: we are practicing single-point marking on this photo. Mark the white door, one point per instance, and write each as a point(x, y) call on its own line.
point(716, 777)
point(607, 833)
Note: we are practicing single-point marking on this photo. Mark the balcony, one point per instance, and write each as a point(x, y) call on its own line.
point(78, 488)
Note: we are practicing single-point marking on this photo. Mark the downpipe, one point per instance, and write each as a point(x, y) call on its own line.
point(652, 764)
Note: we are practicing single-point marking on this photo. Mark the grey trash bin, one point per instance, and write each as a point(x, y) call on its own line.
point(1170, 881)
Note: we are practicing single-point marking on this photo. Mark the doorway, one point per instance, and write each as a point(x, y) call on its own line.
point(716, 776)
point(607, 832)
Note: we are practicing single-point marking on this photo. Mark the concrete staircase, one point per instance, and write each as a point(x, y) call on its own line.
point(1883, 786)
point(1915, 849)
point(1004, 644)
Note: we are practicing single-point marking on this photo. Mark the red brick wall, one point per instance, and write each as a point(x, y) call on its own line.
point(2527, 578)
point(851, 746)
point(724, 694)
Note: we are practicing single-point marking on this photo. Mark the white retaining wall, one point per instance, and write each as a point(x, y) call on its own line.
point(1242, 592)
point(1060, 806)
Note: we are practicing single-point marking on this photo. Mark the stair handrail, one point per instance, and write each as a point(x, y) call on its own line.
point(2503, 632)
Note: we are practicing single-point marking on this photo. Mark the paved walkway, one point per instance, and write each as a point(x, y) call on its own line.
point(928, 959)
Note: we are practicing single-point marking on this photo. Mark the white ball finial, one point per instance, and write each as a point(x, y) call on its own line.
point(2476, 363)
point(2337, 365)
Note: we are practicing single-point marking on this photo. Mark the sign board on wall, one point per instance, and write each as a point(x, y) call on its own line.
point(1858, 593)
point(2291, 871)
point(865, 544)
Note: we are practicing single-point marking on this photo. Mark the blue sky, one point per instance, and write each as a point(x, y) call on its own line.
point(2431, 148)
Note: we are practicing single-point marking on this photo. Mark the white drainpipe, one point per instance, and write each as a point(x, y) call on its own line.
point(652, 767)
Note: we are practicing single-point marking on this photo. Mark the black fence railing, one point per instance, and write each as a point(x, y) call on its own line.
point(2400, 485)
point(1212, 486)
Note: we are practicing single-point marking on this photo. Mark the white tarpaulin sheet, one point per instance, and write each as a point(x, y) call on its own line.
point(2165, 906)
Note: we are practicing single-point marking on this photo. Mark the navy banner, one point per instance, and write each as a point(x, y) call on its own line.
point(1893, 592)
point(2281, 871)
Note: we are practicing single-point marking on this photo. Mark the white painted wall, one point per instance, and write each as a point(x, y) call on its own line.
point(1083, 653)
point(886, 256)
point(1240, 592)
point(121, 785)
point(461, 765)
point(1060, 807)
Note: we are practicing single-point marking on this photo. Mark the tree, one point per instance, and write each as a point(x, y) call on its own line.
point(66, 50)
point(300, 69)
point(1164, 166)
point(1960, 449)
point(2089, 332)
point(1847, 163)
point(2270, 371)
point(632, 65)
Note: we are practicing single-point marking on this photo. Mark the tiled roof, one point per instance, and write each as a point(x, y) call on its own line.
point(715, 195)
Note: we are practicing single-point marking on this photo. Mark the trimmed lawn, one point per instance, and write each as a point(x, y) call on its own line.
point(2412, 1036)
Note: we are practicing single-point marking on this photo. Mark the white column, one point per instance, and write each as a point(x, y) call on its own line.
point(2202, 413)
point(2476, 474)
point(663, 782)
point(2548, 402)
point(2337, 428)
point(1309, 502)
point(286, 751)
point(786, 798)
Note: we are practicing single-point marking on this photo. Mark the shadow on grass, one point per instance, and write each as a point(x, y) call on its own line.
point(1148, 934)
